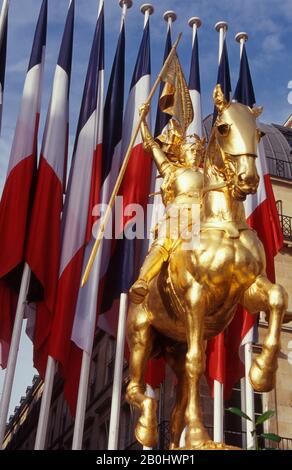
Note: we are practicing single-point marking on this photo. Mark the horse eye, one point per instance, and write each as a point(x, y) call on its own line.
point(223, 129)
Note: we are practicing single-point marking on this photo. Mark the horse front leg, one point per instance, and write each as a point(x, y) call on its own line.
point(272, 299)
point(196, 435)
point(140, 341)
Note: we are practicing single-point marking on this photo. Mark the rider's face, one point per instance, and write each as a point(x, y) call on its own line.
point(189, 157)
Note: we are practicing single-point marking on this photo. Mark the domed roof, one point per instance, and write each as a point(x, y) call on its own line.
point(277, 143)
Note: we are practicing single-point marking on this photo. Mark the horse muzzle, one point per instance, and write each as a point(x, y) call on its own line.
point(240, 191)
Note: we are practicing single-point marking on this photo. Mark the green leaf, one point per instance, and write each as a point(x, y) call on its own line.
point(271, 436)
point(264, 417)
point(238, 412)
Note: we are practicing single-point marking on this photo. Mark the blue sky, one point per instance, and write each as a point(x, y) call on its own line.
point(268, 22)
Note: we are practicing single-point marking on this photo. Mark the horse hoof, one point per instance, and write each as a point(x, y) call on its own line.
point(146, 429)
point(147, 436)
point(262, 379)
point(196, 437)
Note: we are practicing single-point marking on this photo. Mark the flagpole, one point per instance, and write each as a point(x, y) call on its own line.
point(86, 355)
point(124, 167)
point(147, 10)
point(221, 27)
point(249, 397)
point(41, 434)
point(241, 38)
point(195, 23)
point(246, 426)
point(169, 17)
point(120, 343)
point(13, 352)
point(246, 388)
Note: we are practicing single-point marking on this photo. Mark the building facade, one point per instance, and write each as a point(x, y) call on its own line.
point(21, 428)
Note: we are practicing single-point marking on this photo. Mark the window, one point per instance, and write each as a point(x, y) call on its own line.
point(234, 434)
point(103, 436)
point(111, 360)
point(235, 431)
point(86, 444)
point(93, 378)
point(126, 428)
point(53, 422)
point(64, 419)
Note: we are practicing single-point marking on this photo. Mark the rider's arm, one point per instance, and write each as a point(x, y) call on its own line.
point(150, 145)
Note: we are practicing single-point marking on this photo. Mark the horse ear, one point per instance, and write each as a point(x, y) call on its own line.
point(257, 111)
point(219, 99)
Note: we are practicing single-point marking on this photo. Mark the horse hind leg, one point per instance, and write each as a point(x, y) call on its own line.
point(272, 299)
point(140, 340)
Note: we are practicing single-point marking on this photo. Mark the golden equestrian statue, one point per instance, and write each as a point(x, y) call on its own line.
point(186, 295)
point(203, 262)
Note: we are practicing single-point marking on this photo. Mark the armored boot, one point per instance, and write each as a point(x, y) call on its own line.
point(151, 267)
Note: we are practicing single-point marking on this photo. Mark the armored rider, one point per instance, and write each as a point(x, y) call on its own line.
point(178, 163)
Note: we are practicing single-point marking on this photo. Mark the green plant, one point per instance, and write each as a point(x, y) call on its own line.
point(259, 421)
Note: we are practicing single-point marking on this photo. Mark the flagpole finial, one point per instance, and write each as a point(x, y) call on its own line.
point(195, 21)
point(147, 8)
point(127, 3)
point(241, 37)
point(170, 16)
point(221, 25)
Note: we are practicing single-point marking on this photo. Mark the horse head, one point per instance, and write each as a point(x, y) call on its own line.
point(237, 136)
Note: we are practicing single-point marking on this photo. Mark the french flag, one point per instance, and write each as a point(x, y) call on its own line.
point(3, 51)
point(195, 89)
point(111, 162)
point(135, 188)
point(83, 193)
point(18, 190)
point(44, 237)
point(259, 208)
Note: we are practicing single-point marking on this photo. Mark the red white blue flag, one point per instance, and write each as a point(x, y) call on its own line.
point(18, 190)
point(135, 187)
point(44, 236)
point(83, 194)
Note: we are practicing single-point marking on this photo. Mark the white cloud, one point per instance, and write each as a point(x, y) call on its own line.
point(272, 44)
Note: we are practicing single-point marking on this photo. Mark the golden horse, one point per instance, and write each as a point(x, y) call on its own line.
point(196, 294)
